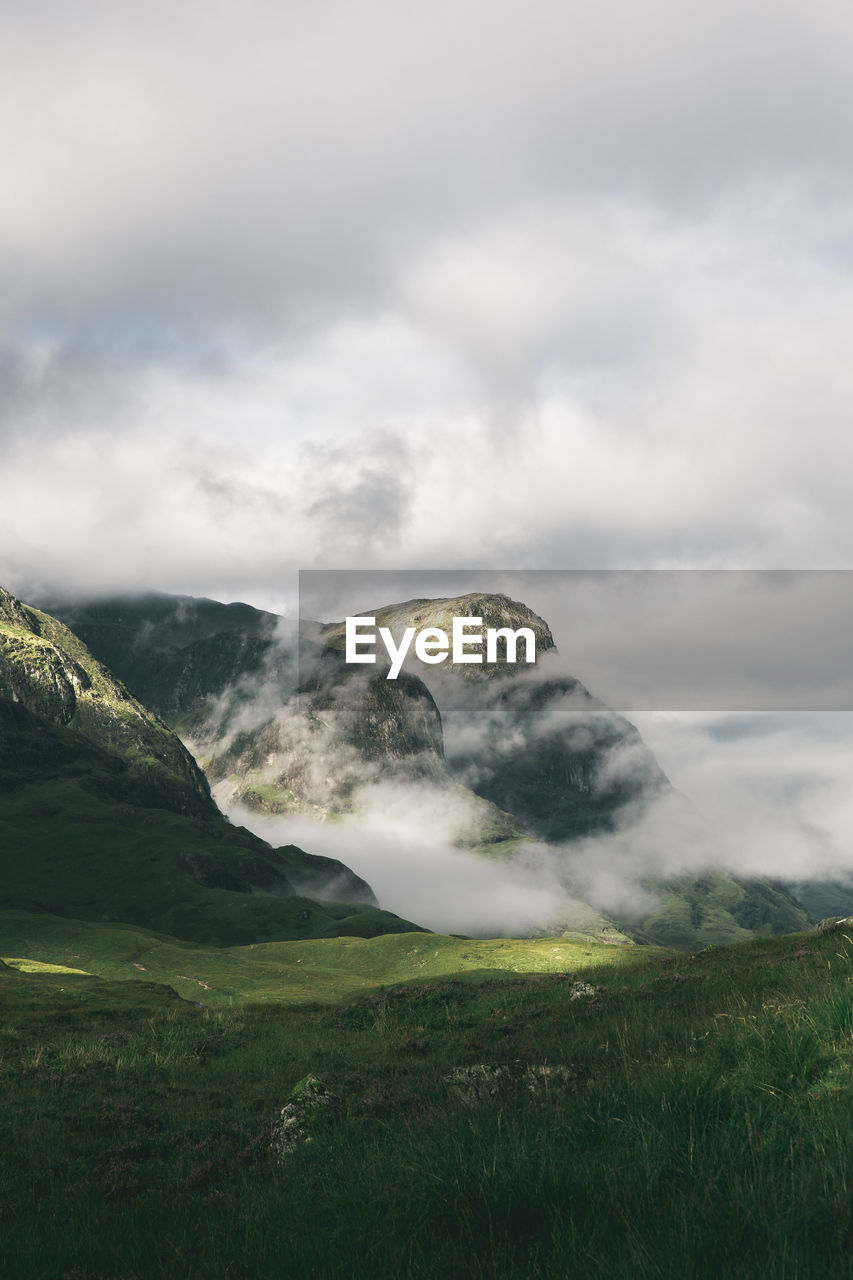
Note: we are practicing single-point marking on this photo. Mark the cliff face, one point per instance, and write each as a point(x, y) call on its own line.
point(339, 730)
point(549, 753)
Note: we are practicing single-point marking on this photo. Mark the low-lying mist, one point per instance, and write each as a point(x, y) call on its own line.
point(759, 796)
point(401, 840)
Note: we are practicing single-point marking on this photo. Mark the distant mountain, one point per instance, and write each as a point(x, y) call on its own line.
point(529, 741)
point(823, 898)
point(104, 814)
point(281, 724)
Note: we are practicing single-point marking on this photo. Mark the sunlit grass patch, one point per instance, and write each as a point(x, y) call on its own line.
point(26, 965)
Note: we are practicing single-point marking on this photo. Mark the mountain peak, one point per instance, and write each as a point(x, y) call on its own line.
point(13, 612)
point(46, 669)
point(495, 609)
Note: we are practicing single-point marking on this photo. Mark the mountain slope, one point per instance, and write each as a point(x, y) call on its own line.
point(47, 670)
point(180, 655)
point(105, 815)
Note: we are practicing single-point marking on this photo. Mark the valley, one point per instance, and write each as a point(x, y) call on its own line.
point(223, 1056)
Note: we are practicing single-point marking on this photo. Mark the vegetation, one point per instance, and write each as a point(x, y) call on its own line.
point(179, 654)
point(65, 851)
point(105, 816)
point(325, 969)
point(701, 1127)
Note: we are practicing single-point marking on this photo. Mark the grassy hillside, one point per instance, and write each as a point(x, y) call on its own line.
point(287, 971)
point(66, 852)
point(700, 1127)
point(717, 909)
point(104, 815)
point(179, 654)
point(48, 672)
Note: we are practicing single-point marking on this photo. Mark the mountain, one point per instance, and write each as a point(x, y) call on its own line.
point(494, 609)
point(187, 659)
point(105, 815)
point(45, 669)
point(227, 678)
point(281, 724)
point(530, 741)
point(265, 711)
point(337, 731)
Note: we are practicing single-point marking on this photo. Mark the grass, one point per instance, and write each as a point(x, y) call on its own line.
point(290, 972)
point(66, 850)
point(707, 1133)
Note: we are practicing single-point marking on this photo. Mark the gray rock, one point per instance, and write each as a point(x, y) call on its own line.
point(488, 1081)
point(312, 1107)
point(831, 923)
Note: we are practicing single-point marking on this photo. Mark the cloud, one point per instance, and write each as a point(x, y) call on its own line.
point(360, 493)
point(287, 147)
point(403, 843)
point(768, 797)
point(774, 790)
point(287, 286)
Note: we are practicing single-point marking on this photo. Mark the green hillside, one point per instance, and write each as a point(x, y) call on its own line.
point(104, 815)
point(658, 1116)
point(179, 654)
point(67, 852)
point(46, 670)
point(287, 971)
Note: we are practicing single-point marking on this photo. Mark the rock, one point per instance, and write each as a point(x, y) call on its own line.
point(312, 1106)
point(581, 991)
point(831, 923)
point(487, 1081)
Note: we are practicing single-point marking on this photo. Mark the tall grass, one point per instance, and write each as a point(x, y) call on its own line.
point(707, 1133)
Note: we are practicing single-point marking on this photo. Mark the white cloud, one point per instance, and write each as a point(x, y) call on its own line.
point(579, 383)
point(567, 285)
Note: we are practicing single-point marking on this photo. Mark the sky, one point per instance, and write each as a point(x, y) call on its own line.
point(378, 285)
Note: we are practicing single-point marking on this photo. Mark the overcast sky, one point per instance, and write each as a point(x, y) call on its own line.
point(376, 284)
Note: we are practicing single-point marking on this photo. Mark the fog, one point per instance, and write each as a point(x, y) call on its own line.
point(754, 792)
point(771, 798)
point(402, 842)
